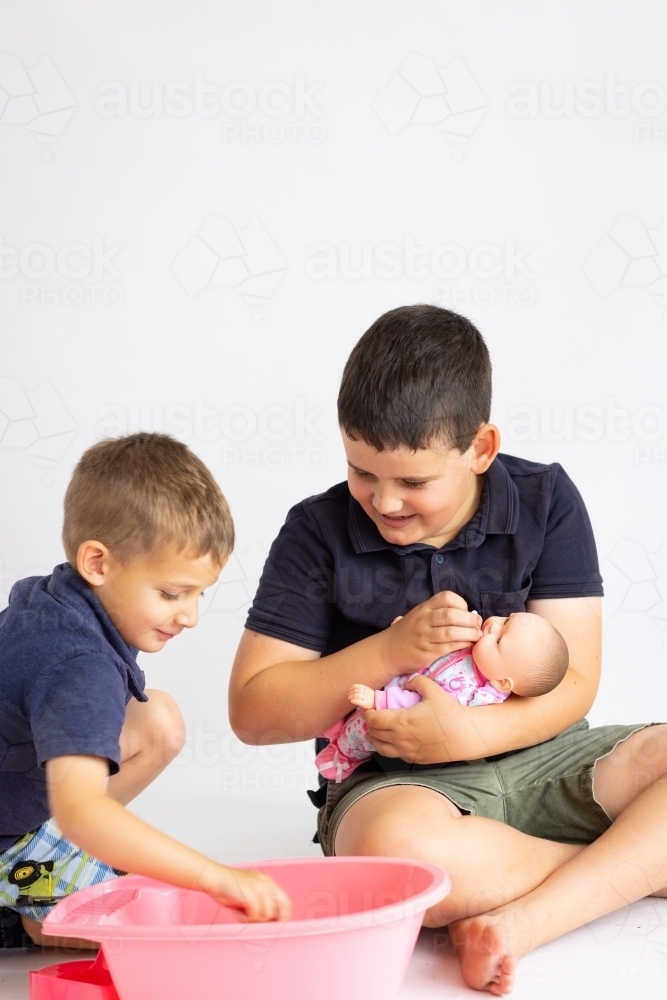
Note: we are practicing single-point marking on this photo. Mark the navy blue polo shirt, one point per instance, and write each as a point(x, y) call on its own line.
point(331, 579)
point(66, 676)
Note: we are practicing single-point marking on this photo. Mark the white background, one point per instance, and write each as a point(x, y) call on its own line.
point(332, 166)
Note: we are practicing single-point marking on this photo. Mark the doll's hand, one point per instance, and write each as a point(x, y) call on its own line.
point(362, 696)
point(437, 730)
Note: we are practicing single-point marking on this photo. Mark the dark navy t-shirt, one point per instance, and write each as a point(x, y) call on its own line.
point(66, 676)
point(331, 579)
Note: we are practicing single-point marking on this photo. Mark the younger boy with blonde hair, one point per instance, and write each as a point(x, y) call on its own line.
point(146, 530)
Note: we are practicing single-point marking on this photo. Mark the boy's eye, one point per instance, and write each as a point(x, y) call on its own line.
point(168, 597)
point(415, 485)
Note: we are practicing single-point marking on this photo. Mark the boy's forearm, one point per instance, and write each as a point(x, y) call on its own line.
point(298, 700)
point(105, 829)
point(523, 722)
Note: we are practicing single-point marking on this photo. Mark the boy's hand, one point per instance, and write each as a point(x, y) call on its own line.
point(98, 824)
point(435, 731)
point(256, 894)
point(432, 629)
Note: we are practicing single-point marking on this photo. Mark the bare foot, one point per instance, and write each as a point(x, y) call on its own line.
point(488, 953)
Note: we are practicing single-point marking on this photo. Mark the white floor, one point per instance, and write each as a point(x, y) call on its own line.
point(623, 957)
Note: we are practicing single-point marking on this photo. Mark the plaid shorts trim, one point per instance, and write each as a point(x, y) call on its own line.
point(63, 866)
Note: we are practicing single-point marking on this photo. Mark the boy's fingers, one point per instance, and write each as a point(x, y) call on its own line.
point(422, 685)
point(454, 616)
point(447, 599)
point(442, 634)
point(381, 720)
point(386, 749)
point(284, 906)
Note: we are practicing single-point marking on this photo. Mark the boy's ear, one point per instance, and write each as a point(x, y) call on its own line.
point(485, 447)
point(94, 562)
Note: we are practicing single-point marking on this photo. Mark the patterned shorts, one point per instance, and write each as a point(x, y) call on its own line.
point(43, 864)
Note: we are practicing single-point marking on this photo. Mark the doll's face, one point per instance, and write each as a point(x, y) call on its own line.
point(508, 648)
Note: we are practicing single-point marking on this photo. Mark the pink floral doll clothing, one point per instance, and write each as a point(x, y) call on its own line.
point(456, 673)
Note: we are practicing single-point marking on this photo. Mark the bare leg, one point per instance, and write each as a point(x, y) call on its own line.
point(152, 736)
point(33, 929)
point(627, 862)
point(411, 821)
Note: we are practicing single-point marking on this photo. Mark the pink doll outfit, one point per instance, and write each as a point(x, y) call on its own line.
point(457, 674)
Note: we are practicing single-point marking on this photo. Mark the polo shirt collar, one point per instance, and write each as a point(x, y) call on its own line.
point(69, 588)
point(497, 514)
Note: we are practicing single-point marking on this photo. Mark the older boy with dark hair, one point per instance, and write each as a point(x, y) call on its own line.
point(146, 530)
point(432, 523)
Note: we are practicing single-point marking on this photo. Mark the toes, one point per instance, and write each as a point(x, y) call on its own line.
point(505, 978)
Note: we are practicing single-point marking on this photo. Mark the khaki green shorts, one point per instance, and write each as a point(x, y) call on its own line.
point(545, 791)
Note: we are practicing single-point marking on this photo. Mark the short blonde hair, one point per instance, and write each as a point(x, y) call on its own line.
point(142, 491)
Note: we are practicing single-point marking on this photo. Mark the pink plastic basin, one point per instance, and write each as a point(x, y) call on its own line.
point(352, 932)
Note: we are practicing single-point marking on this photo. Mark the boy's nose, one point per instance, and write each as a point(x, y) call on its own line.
point(385, 503)
point(187, 618)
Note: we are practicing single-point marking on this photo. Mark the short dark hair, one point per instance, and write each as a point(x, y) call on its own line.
point(143, 491)
point(419, 375)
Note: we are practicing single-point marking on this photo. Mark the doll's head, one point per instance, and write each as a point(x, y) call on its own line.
point(523, 654)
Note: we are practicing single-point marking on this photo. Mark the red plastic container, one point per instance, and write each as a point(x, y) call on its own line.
point(353, 929)
point(73, 981)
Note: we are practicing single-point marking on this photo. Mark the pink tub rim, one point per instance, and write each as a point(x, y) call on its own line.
point(62, 920)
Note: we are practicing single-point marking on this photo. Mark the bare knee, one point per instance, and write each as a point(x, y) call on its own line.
point(631, 767)
point(153, 729)
point(410, 823)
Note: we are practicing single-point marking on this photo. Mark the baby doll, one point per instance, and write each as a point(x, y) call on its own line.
point(522, 655)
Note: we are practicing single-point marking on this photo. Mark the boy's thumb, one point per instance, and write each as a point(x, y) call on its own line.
point(422, 685)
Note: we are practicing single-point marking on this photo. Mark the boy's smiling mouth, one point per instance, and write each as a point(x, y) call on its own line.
point(398, 520)
point(165, 635)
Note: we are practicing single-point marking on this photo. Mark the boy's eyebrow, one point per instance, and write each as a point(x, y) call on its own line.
point(407, 478)
point(178, 586)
